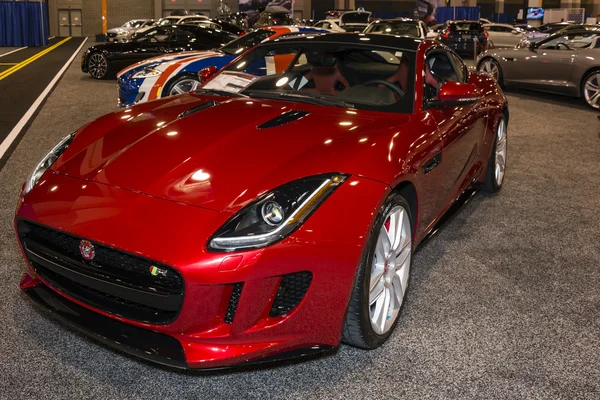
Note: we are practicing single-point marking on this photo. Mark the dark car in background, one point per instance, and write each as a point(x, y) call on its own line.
point(355, 21)
point(464, 37)
point(268, 18)
point(103, 60)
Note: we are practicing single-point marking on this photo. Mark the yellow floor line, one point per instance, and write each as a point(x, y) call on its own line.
point(31, 59)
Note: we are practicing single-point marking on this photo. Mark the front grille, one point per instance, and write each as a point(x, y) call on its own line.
point(113, 281)
point(111, 34)
point(291, 291)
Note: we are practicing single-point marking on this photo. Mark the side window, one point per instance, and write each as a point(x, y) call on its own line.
point(463, 73)
point(556, 43)
point(438, 70)
point(180, 35)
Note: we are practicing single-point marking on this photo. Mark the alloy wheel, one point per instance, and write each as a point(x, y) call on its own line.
point(390, 269)
point(97, 65)
point(501, 148)
point(184, 86)
point(591, 90)
point(491, 68)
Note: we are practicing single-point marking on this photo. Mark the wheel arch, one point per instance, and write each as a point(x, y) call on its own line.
point(167, 86)
point(408, 190)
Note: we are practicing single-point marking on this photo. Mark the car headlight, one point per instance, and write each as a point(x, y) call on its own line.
point(276, 214)
point(47, 162)
point(147, 73)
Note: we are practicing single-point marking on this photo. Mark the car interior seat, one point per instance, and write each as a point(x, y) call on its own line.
point(325, 74)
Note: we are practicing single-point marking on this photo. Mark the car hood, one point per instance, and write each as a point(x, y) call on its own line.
point(162, 62)
point(218, 158)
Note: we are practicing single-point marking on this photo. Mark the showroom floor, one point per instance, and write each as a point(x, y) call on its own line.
point(504, 302)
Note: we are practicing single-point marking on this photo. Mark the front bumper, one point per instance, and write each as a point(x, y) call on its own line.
point(204, 334)
point(129, 90)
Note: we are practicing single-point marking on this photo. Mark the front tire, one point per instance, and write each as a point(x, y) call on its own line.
point(494, 177)
point(98, 65)
point(182, 84)
point(382, 278)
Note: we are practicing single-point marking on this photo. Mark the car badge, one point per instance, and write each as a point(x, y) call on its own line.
point(157, 271)
point(86, 248)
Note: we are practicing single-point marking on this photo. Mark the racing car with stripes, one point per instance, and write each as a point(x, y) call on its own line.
point(177, 73)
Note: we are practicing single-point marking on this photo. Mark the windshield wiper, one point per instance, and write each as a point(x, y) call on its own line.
point(302, 98)
point(217, 92)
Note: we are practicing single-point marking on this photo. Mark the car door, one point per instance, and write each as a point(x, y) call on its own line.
point(462, 127)
point(151, 44)
point(549, 63)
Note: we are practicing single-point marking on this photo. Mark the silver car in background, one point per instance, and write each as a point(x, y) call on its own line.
point(504, 35)
point(565, 63)
point(124, 32)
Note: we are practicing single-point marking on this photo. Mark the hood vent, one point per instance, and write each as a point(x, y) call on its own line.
point(197, 108)
point(285, 118)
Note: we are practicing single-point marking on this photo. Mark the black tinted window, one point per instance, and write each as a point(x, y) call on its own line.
point(465, 26)
point(247, 41)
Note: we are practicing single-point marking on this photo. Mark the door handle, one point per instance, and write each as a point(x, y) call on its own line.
point(431, 164)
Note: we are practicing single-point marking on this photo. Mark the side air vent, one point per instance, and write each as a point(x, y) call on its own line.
point(233, 302)
point(291, 291)
point(197, 108)
point(285, 118)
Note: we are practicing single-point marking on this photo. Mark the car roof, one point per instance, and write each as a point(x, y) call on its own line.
point(395, 41)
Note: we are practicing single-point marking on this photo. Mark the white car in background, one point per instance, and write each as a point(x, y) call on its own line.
point(504, 35)
point(180, 19)
point(434, 31)
point(331, 24)
point(123, 33)
point(399, 27)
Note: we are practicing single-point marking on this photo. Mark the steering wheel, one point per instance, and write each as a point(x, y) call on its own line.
point(389, 85)
point(562, 44)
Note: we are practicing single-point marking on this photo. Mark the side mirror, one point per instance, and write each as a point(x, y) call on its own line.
point(206, 73)
point(455, 94)
point(514, 32)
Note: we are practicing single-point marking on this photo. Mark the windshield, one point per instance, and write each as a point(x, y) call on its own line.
point(408, 28)
point(568, 41)
point(465, 26)
point(247, 41)
point(354, 76)
point(355, 17)
point(167, 21)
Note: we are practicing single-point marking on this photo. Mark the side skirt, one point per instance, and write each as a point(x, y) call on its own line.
point(458, 204)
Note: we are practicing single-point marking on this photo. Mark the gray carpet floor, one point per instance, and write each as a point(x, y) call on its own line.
point(503, 304)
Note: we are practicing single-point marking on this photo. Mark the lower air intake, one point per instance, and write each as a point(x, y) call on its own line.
point(233, 302)
point(291, 291)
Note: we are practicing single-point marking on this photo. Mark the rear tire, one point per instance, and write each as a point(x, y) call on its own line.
point(590, 89)
point(382, 279)
point(494, 177)
point(491, 67)
point(97, 65)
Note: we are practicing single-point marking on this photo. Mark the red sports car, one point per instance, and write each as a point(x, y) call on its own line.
point(271, 214)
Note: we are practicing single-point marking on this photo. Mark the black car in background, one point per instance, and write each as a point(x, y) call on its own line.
point(460, 36)
point(106, 59)
point(268, 18)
